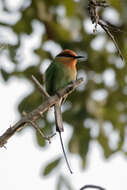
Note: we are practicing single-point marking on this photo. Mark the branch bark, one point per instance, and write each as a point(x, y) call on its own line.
point(92, 186)
point(107, 27)
point(37, 113)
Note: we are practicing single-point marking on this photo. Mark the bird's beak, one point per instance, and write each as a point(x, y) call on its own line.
point(80, 57)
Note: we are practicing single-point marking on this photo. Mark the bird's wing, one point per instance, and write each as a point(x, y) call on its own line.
point(50, 75)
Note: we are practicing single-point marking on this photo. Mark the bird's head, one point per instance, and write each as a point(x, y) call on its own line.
point(68, 56)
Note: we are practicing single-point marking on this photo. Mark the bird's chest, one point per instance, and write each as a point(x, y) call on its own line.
point(68, 73)
point(65, 75)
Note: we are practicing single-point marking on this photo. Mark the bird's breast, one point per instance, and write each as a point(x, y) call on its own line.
point(70, 72)
point(58, 75)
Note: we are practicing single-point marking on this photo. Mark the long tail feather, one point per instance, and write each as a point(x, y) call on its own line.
point(59, 128)
point(58, 118)
point(65, 153)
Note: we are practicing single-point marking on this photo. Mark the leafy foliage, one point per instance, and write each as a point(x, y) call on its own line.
point(50, 167)
point(103, 99)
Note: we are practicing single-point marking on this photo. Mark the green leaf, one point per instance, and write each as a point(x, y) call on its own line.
point(40, 140)
point(51, 166)
point(30, 102)
point(5, 74)
point(103, 140)
point(70, 7)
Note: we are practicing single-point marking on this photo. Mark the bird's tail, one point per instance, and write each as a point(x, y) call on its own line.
point(59, 128)
point(58, 117)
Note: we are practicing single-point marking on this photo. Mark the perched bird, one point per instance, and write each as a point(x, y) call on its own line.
point(60, 73)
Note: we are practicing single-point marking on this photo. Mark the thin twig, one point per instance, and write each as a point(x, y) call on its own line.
point(111, 37)
point(103, 4)
point(107, 27)
point(34, 124)
point(40, 87)
point(92, 186)
point(36, 113)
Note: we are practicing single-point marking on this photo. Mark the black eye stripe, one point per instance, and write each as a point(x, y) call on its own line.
point(66, 55)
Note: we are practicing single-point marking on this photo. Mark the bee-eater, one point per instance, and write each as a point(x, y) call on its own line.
point(60, 73)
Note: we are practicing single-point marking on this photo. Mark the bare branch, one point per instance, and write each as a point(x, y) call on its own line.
point(92, 186)
point(36, 113)
point(103, 4)
point(34, 124)
point(107, 27)
point(40, 87)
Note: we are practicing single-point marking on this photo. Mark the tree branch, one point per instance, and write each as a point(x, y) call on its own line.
point(107, 27)
point(40, 87)
point(92, 186)
point(37, 113)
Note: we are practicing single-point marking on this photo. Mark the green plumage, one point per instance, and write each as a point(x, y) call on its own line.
point(58, 75)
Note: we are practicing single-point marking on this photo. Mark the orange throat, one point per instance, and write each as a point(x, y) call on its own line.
point(72, 66)
point(70, 63)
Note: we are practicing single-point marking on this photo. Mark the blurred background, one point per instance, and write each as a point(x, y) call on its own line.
point(32, 33)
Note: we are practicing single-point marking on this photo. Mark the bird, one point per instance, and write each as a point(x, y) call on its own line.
point(60, 73)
